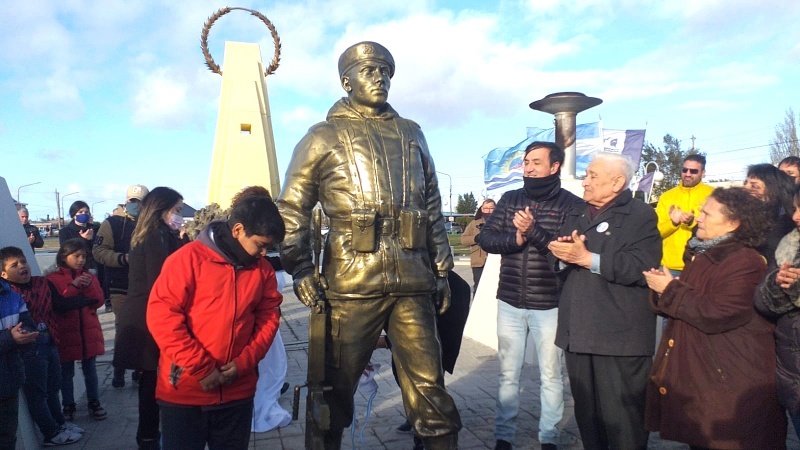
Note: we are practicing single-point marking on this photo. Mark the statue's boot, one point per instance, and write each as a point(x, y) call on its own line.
point(448, 442)
point(332, 440)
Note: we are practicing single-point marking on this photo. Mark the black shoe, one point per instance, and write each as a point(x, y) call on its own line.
point(96, 411)
point(502, 445)
point(549, 447)
point(404, 427)
point(119, 379)
point(69, 411)
point(284, 388)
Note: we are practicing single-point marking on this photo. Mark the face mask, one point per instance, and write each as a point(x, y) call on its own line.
point(132, 208)
point(82, 218)
point(175, 221)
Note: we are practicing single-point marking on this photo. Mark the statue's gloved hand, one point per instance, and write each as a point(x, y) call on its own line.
point(442, 300)
point(308, 290)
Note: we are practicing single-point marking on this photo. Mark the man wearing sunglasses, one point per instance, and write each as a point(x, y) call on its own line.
point(677, 209)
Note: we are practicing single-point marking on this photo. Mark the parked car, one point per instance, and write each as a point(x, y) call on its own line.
point(453, 228)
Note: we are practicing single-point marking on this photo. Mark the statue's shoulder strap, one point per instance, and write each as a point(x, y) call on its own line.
point(346, 133)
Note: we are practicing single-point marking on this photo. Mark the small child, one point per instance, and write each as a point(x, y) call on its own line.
point(42, 367)
point(80, 336)
point(15, 323)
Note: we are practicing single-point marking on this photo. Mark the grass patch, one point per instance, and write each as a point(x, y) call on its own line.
point(455, 242)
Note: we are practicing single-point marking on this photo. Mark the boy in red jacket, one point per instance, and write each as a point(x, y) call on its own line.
point(213, 312)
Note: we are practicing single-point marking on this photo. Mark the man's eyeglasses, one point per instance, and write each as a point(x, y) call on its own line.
point(691, 171)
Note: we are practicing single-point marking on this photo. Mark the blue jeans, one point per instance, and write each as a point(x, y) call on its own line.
point(42, 383)
point(89, 377)
point(513, 327)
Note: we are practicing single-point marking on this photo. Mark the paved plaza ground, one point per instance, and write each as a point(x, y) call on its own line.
point(473, 386)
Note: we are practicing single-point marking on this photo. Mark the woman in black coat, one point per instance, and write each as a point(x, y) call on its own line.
point(153, 240)
point(775, 189)
point(81, 226)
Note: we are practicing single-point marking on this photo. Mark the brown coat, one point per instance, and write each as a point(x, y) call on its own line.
point(477, 257)
point(713, 380)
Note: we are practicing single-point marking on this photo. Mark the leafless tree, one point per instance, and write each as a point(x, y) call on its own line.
point(785, 141)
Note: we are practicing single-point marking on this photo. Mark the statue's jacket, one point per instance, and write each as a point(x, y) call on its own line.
point(352, 163)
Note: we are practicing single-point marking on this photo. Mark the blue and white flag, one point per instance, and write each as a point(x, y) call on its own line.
point(503, 166)
point(624, 142)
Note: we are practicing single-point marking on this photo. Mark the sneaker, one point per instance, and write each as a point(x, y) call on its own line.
point(96, 411)
point(404, 427)
point(74, 428)
point(62, 437)
point(69, 412)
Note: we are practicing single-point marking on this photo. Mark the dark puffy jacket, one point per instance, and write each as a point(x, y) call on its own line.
point(526, 279)
point(783, 307)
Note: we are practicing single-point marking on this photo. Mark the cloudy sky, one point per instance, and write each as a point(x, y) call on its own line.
point(97, 95)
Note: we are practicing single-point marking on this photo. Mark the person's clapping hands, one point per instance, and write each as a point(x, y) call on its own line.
point(658, 279)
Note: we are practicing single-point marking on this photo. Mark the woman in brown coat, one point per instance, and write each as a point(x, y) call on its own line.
point(713, 381)
point(477, 257)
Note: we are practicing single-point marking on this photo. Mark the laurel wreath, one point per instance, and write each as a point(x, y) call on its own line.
point(212, 66)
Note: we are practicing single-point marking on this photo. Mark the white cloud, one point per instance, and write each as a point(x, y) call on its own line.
point(56, 94)
point(170, 98)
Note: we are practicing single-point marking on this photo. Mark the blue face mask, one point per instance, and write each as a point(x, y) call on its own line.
point(82, 218)
point(132, 208)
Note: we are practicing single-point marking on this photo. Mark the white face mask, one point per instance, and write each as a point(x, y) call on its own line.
point(175, 221)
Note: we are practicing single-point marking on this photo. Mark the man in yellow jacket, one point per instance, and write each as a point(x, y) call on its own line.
point(677, 209)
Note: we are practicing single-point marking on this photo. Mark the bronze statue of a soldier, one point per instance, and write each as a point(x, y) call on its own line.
point(386, 255)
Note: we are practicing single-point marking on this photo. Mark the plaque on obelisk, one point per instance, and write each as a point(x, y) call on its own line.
point(244, 147)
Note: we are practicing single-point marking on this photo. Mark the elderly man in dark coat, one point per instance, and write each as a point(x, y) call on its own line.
point(605, 325)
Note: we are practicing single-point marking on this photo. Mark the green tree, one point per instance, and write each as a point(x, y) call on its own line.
point(785, 141)
point(669, 160)
point(466, 204)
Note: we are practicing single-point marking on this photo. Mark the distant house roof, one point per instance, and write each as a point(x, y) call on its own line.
point(188, 211)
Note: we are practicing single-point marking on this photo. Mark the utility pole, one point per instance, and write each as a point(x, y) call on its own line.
point(58, 208)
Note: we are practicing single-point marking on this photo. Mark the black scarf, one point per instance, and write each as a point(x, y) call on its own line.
point(539, 189)
point(700, 246)
point(231, 247)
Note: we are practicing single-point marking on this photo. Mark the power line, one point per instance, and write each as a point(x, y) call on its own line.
point(756, 146)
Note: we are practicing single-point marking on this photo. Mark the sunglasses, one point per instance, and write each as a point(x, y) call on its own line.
point(691, 171)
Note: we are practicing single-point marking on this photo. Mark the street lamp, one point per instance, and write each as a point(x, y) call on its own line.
point(25, 185)
point(451, 190)
point(62, 204)
point(658, 176)
point(92, 208)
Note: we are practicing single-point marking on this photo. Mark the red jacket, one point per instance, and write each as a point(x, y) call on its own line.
point(204, 313)
point(79, 334)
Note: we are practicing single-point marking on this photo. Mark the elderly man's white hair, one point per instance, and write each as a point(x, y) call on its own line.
point(625, 165)
point(22, 209)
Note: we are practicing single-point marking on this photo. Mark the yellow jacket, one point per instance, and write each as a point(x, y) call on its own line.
point(674, 236)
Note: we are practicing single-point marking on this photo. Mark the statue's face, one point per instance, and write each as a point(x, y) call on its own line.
point(367, 83)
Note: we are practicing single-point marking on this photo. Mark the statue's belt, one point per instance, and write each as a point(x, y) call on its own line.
point(385, 226)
